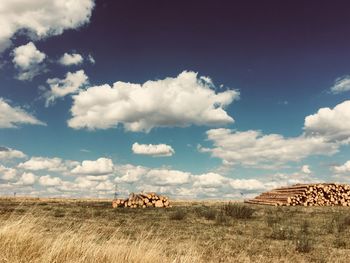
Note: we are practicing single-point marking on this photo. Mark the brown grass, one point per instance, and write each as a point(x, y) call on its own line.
point(36, 230)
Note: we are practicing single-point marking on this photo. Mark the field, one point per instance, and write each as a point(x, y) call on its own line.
point(53, 230)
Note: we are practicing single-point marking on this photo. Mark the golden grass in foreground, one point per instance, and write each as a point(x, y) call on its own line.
point(52, 230)
point(26, 240)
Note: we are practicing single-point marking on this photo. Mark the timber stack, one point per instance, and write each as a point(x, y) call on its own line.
point(142, 200)
point(306, 195)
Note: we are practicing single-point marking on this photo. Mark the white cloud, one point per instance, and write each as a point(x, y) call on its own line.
point(341, 85)
point(247, 184)
point(209, 180)
point(252, 148)
point(91, 59)
point(47, 180)
point(342, 169)
point(7, 174)
point(27, 179)
point(130, 174)
point(49, 164)
point(306, 169)
point(184, 184)
point(71, 59)
point(10, 116)
point(41, 18)
point(156, 150)
point(8, 153)
point(331, 124)
point(28, 60)
point(161, 103)
point(105, 186)
point(62, 87)
point(97, 177)
point(167, 177)
point(101, 166)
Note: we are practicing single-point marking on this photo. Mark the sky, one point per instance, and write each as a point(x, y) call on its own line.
point(195, 100)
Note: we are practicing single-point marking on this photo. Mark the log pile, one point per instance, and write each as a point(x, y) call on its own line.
point(306, 195)
point(142, 200)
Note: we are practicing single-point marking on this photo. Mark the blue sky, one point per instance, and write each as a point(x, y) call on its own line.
point(194, 101)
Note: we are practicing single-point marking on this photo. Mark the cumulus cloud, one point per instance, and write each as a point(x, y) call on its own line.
point(342, 169)
point(156, 150)
point(48, 164)
point(7, 174)
point(331, 124)
point(10, 116)
point(101, 166)
point(341, 85)
point(62, 87)
point(47, 180)
point(167, 177)
point(305, 169)
point(184, 184)
point(252, 148)
point(28, 60)
point(8, 153)
point(27, 179)
point(41, 18)
point(91, 59)
point(130, 173)
point(161, 103)
point(71, 59)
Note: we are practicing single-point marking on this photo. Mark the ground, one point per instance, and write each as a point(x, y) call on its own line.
point(67, 230)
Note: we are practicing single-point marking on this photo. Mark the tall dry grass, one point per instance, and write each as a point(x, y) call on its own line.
point(26, 239)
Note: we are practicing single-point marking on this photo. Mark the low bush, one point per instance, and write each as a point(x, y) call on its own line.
point(281, 232)
point(222, 219)
point(303, 242)
point(238, 211)
point(178, 215)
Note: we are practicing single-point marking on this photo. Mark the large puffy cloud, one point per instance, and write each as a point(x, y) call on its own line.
point(305, 169)
point(101, 166)
point(62, 87)
point(342, 169)
point(27, 179)
point(341, 85)
point(41, 18)
point(167, 177)
point(331, 124)
point(71, 59)
point(7, 174)
point(8, 153)
point(10, 116)
point(130, 173)
point(252, 148)
point(28, 60)
point(180, 101)
point(157, 150)
point(48, 180)
point(183, 184)
point(49, 164)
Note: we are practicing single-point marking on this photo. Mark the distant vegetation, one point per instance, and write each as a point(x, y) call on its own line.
point(91, 231)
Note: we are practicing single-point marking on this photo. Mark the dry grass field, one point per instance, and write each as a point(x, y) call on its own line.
point(52, 230)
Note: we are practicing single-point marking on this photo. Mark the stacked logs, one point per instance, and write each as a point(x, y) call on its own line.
point(142, 200)
point(306, 195)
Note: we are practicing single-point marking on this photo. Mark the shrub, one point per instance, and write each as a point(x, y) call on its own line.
point(238, 211)
point(280, 232)
point(339, 222)
point(59, 213)
point(210, 214)
point(178, 215)
point(272, 220)
point(339, 242)
point(222, 219)
point(303, 241)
